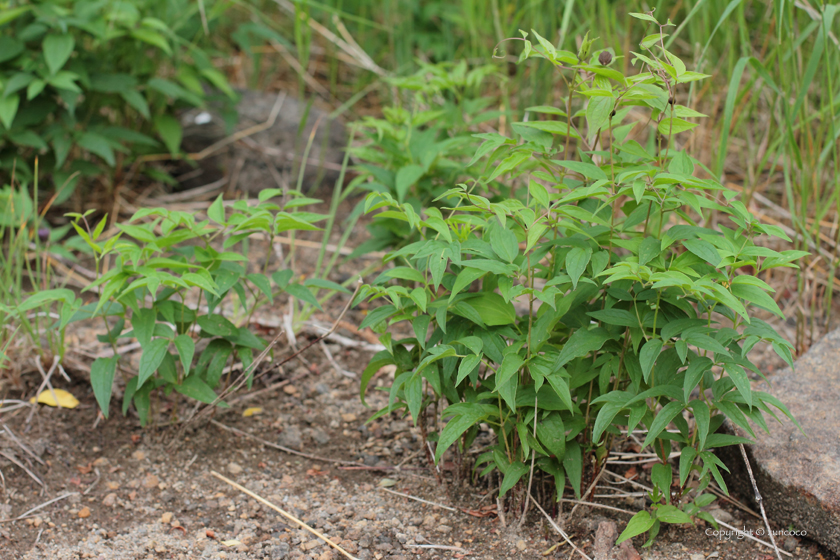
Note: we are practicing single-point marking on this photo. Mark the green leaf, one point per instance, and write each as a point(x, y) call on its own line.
point(262, 283)
point(194, 388)
point(467, 365)
point(661, 476)
point(57, 49)
point(464, 279)
point(136, 100)
point(686, 460)
point(151, 359)
point(703, 249)
point(588, 170)
point(552, 434)
point(598, 114)
point(216, 325)
point(741, 380)
point(303, 294)
point(8, 109)
point(581, 343)
point(143, 323)
point(216, 212)
point(504, 243)
point(648, 355)
point(170, 132)
point(702, 419)
point(514, 472)
point(377, 315)
point(604, 419)
point(406, 177)
point(493, 309)
point(637, 525)
point(576, 261)
point(456, 427)
point(756, 296)
point(663, 418)
point(101, 379)
point(511, 364)
point(573, 464)
point(670, 514)
point(152, 38)
point(99, 145)
point(613, 316)
point(186, 350)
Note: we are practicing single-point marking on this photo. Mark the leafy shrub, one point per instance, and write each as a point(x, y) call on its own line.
point(424, 142)
point(85, 83)
point(184, 284)
point(596, 301)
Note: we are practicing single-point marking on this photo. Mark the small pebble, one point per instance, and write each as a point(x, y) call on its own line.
point(84, 513)
point(234, 468)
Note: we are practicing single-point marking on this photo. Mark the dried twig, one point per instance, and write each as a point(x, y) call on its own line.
point(32, 475)
point(13, 437)
point(285, 514)
point(280, 447)
point(421, 500)
point(45, 382)
point(557, 528)
point(36, 508)
point(759, 500)
point(588, 490)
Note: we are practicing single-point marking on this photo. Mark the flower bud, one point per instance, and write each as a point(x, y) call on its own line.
point(605, 58)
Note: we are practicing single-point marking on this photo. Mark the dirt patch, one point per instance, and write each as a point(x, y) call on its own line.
point(137, 495)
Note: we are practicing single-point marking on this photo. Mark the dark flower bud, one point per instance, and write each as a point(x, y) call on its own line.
point(605, 58)
point(43, 234)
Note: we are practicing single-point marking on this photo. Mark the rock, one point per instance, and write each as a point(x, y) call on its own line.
point(234, 468)
point(627, 552)
point(605, 538)
point(166, 518)
point(348, 417)
point(696, 557)
point(520, 545)
point(291, 437)
point(790, 544)
point(84, 513)
point(799, 475)
point(721, 515)
point(150, 481)
point(110, 500)
point(320, 436)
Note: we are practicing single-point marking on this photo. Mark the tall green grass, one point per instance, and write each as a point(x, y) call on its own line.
point(774, 97)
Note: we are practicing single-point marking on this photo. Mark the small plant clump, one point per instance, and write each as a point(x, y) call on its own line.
point(90, 85)
point(187, 290)
point(596, 301)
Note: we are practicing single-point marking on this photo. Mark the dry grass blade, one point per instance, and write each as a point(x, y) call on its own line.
point(41, 506)
point(759, 500)
point(280, 447)
point(285, 514)
point(416, 499)
point(560, 531)
point(31, 474)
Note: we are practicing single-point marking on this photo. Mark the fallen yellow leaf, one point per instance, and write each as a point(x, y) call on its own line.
point(231, 543)
point(253, 411)
point(65, 399)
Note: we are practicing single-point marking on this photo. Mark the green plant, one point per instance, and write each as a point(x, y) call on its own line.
point(85, 83)
point(423, 144)
point(30, 302)
point(597, 300)
point(187, 285)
